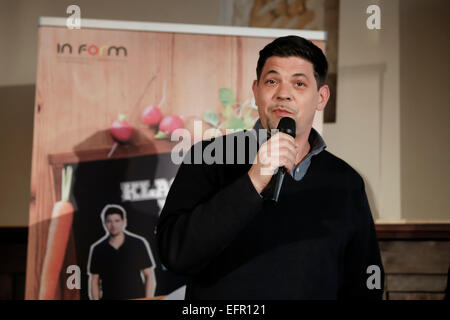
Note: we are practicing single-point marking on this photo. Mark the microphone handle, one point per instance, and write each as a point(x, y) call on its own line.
point(277, 181)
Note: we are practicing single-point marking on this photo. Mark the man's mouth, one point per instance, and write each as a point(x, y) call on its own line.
point(282, 112)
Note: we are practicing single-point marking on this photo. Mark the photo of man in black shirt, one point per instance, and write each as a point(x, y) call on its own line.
point(120, 265)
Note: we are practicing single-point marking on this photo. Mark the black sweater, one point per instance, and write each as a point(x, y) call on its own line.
point(316, 243)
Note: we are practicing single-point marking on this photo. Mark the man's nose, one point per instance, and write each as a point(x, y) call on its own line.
point(283, 92)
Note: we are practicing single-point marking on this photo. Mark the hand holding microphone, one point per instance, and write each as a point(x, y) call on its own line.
point(279, 152)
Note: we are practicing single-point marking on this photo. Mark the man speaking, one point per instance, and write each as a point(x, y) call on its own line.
point(221, 227)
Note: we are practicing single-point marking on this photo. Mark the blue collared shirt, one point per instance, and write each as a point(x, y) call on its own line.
point(317, 145)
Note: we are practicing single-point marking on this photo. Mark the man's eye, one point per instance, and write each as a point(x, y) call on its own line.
point(300, 84)
point(270, 81)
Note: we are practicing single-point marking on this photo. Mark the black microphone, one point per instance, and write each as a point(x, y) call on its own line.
point(286, 125)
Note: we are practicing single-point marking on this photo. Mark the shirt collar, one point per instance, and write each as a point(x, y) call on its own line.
point(316, 142)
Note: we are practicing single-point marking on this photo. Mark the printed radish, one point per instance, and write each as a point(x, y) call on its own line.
point(121, 130)
point(168, 125)
point(151, 116)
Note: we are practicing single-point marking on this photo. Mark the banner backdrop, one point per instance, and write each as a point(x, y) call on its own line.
point(107, 101)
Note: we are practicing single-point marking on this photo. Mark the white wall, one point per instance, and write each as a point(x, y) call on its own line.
point(393, 106)
point(366, 133)
point(425, 109)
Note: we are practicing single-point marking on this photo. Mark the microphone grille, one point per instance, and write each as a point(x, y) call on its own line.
point(287, 125)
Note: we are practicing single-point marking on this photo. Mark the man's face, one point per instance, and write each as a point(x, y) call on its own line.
point(287, 88)
point(115, 224)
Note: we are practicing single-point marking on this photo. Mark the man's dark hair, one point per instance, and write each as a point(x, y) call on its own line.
point(298, 47)
point(113, 210)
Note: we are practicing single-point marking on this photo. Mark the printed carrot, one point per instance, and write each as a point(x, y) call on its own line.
point(58, 236)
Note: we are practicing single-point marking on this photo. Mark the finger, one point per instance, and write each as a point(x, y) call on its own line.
point(282, 158)
point(284, 151)
point(289, 151)
point(286, 163)
point(287, 141)
point(290, 143)
point(286, 136)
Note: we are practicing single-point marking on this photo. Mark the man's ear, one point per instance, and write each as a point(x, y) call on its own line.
point(324, 95)
point(255, 91)
point(254, 87)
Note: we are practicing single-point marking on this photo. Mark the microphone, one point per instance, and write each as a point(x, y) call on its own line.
point(286, 125)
